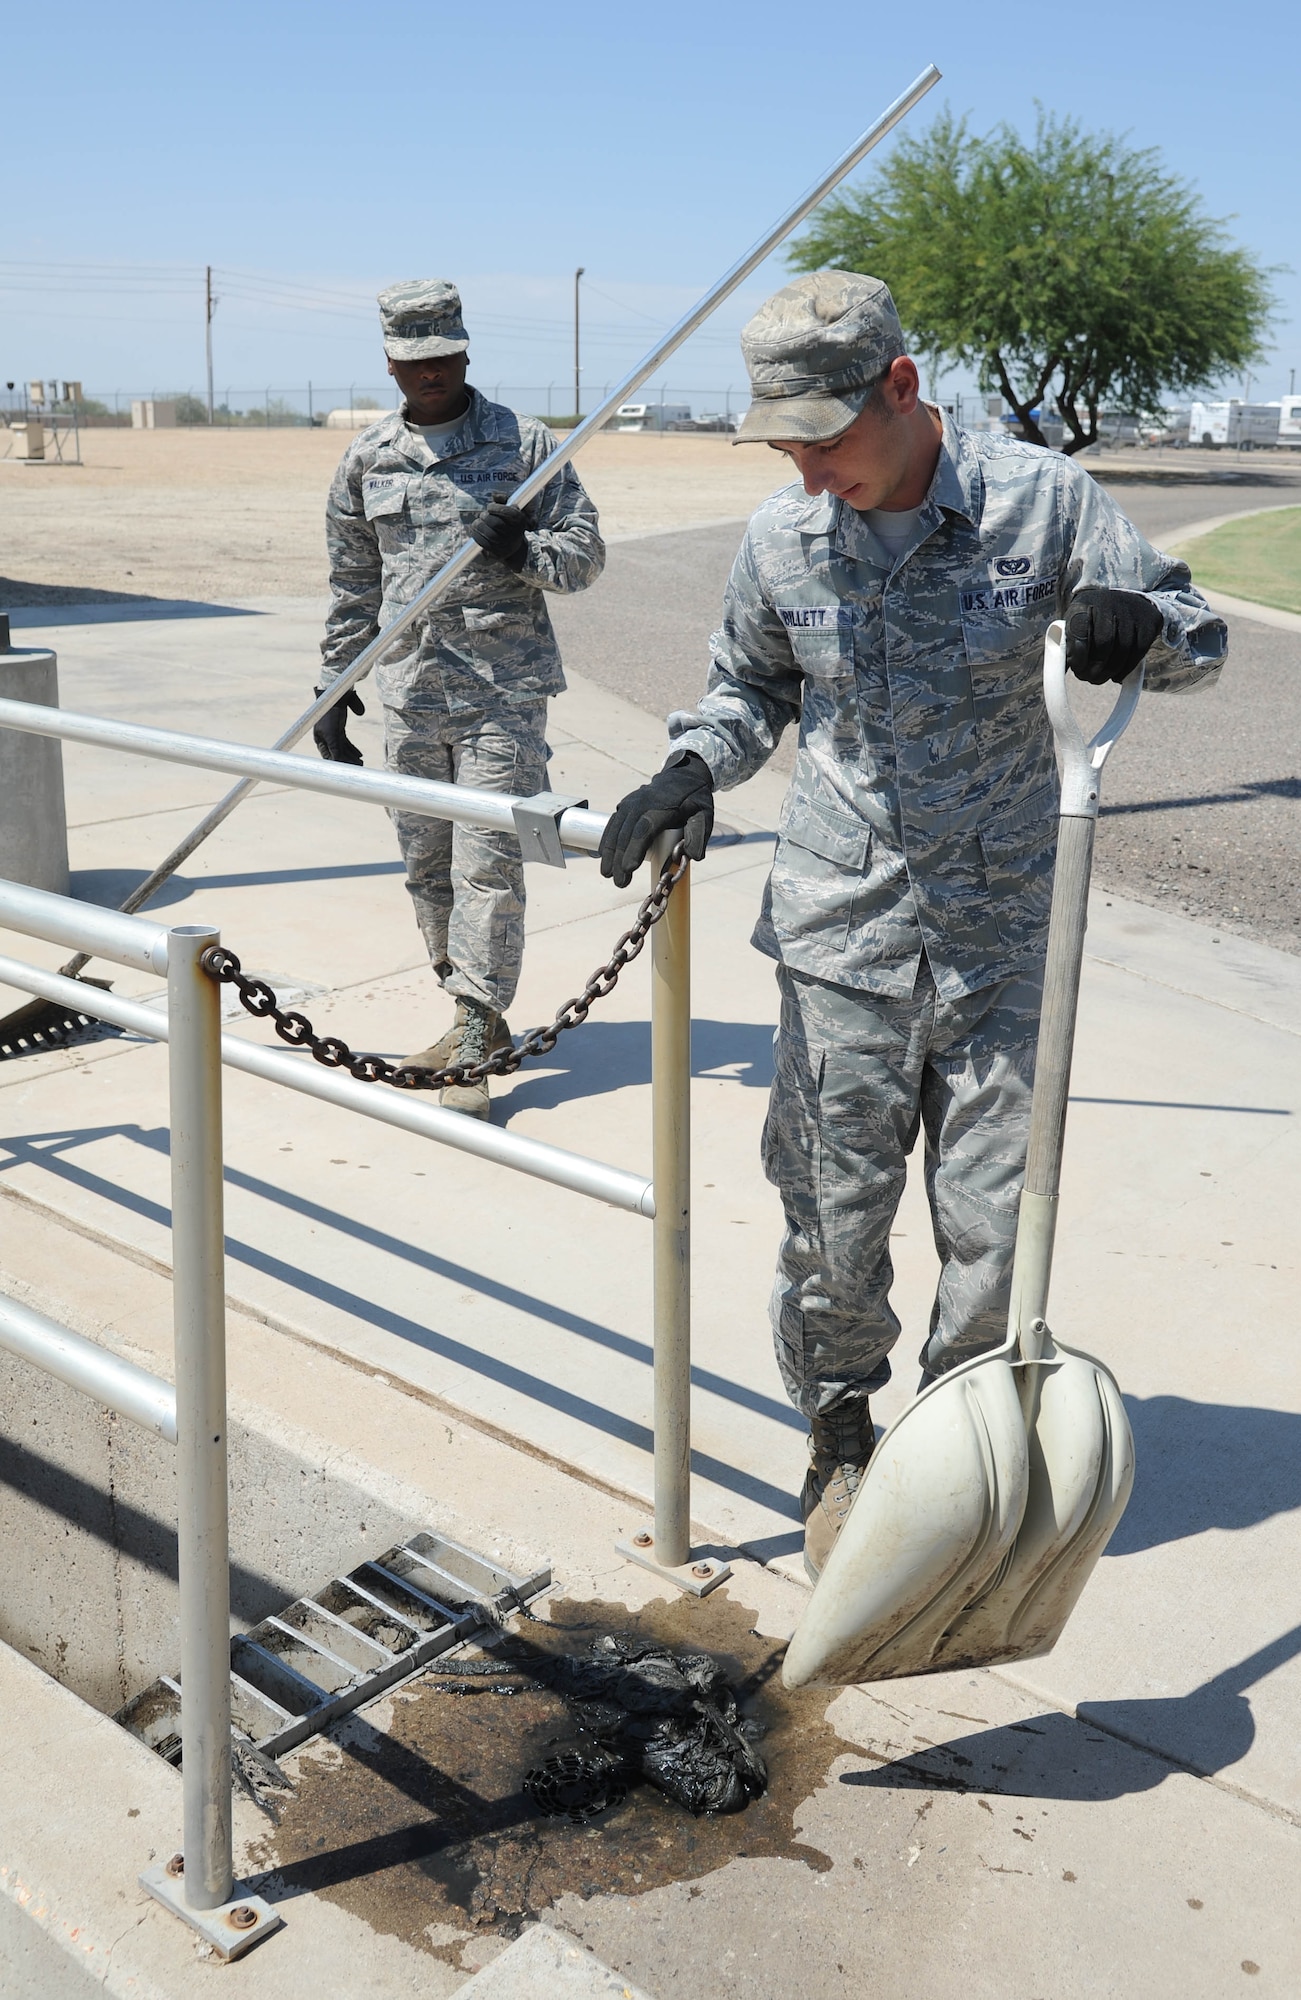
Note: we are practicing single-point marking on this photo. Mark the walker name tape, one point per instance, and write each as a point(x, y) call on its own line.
point(814, 617)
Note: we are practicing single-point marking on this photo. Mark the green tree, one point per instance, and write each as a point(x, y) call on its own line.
point(1072, 265)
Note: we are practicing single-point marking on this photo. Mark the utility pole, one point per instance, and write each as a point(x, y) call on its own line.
point(578, 393)
point(210, 306)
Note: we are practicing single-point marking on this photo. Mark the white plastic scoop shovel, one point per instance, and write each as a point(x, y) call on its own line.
point(986, 1504)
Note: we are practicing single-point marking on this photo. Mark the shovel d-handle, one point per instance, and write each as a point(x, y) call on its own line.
point(1081, 772)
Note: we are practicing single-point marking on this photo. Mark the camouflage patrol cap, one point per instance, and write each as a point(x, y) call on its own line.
point(814, 350)
point(422, 318)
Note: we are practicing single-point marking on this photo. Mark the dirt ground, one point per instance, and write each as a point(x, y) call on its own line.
point(227, 515)
point(211, 515)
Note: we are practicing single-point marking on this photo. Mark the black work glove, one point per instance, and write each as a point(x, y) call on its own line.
point(681, 795)
point(330, 731)
point(500, 531)
point(1108, 632)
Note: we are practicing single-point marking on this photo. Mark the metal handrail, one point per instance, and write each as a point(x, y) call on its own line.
point(197, 1049)
point(193, 1413)
point(614, 1185)
point(133, 941)
point(579, 829)
point(84, 1365)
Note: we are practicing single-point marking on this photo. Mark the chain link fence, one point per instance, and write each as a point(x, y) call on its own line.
point(666, 406)
point(278, 406)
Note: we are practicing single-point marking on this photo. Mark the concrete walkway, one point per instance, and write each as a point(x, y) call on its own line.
point(525, 1312)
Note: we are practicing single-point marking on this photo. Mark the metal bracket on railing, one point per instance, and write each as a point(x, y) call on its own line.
point(537, 823)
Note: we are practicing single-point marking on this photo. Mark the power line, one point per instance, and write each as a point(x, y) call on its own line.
point(274, 293)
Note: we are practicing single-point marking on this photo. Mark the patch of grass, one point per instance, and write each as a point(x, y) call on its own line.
point(1258, 558)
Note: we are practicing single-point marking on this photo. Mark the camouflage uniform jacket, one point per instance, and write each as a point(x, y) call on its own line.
point(395, 515)
point(922, 811)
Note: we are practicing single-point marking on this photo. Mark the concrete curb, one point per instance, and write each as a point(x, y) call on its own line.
point(1262, 614)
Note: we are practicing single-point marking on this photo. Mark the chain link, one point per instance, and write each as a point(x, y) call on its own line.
point(258, 998)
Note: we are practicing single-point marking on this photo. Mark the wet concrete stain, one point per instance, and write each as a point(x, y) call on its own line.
point(425, 1831)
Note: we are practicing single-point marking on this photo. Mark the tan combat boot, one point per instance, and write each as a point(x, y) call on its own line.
point(477, 1032)
point(840, 1445)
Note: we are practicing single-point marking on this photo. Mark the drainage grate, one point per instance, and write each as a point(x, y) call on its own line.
point(328, 1653)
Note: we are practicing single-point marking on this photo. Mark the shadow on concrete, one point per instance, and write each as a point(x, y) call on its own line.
point(1193, 475)
point(32, 605)
point(111, 886)
point(615, 1055)
point(1177, 1104)
point(1255, 788)
point(140, 1536)
point(1113, 1749)
point(1207, 1465)
point(45, 1150)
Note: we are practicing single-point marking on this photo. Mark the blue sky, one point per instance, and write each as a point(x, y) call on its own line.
point(313, 153)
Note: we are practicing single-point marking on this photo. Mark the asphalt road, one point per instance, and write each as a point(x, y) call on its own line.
point(1201, 811)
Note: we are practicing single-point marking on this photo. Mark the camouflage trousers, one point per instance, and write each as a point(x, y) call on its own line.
point(858, 1077)
point(467, 882)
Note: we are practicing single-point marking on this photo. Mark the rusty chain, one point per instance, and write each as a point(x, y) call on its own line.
point(259, 999)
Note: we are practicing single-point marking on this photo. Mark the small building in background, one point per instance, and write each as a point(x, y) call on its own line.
point(352, 420)
point(153, 413)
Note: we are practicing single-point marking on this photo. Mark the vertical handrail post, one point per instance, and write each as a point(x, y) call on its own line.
point(198, 1305)
point(671, 1169)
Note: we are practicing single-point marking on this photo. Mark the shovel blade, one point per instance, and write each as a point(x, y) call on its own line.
point(939, 1507)
point(1081, 1475)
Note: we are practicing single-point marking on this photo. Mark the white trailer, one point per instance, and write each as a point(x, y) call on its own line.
point(650, 416)
point(1289, 421)
point(1235, 423)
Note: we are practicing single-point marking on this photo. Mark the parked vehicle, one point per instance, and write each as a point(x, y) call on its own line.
point(1235, 423)
point(652, 417)
point(1289, 421)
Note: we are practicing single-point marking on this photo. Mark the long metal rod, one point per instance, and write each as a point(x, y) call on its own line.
point(199, 1317)
point(616, 1186)
point(546, 472)
point(86, 1366)
point(671, 1165)
point(579, 828)
point(39, 913)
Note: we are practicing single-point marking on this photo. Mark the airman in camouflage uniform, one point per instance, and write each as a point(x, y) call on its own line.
point(894, 608)
point(464, 689)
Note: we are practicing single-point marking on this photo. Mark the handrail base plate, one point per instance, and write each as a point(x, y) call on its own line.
point(229, 1938)
point(698, 1575)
